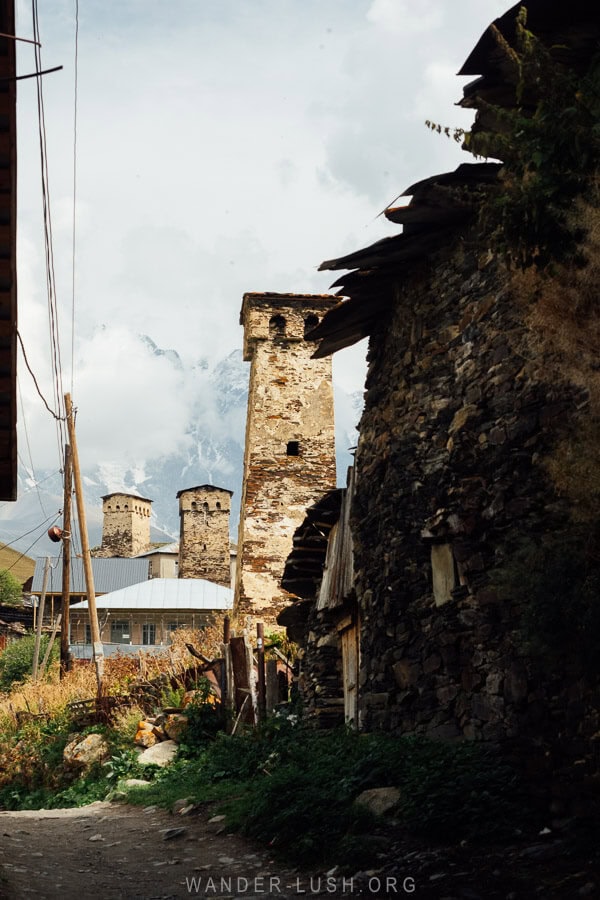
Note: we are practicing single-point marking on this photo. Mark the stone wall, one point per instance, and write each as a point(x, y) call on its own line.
point(204, 534)
point(126, 525)
point(290, 448)
point(464, 406)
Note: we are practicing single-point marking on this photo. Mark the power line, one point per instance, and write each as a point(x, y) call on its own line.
point(29, 452)
point(75, 98)
point(35, 381)
point(48, 239)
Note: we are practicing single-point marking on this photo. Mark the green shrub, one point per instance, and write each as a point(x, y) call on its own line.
point(11, 591)
point(16, 661)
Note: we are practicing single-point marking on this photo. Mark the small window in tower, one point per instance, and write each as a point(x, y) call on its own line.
point(194, 504)
point(205, 506)
point(293, 448)
point(218, 505)
point(118, 507)
point(277, 326)
point(310, 322)
point(126, 507)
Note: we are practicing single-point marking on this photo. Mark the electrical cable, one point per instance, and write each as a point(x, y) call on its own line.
point(74, 235)
point(48, 239)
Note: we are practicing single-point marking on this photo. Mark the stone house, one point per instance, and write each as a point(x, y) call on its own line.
point(475, 513)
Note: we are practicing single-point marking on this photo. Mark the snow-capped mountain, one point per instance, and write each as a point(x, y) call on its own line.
point(207, 449)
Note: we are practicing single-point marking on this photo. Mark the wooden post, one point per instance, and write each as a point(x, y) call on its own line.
point(97, 649)
point(65, 659)
point(260, 657)
point(50, 645)
point(40, 618)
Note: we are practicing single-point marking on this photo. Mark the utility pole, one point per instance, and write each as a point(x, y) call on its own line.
point(40, 618)
point(65, 661)
point(97, 649)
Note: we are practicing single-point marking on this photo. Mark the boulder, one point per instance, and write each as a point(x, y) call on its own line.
point(159, 755)
point(148, 734)
point(81, 753)
point(379, 801)
point(175, 726)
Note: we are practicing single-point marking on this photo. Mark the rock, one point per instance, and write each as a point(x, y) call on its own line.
point(147, 734)
point(134, 782)
point(145, 738)
point(170, 833)
point(82, 753)
point(96, 837)
point(159, 755)
point(379, 801)
point(217, 824)
point(175, 726)
point(180, 804)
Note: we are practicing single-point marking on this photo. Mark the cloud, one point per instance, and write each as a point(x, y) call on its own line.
point(404, 18)
point(223, 147)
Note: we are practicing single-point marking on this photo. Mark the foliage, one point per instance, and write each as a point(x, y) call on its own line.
point(11, 591)
point(294, 788)
point(549, 143)
point(17, 659)
point(206, 718)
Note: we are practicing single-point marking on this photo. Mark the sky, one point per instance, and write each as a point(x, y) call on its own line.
point(222, 146)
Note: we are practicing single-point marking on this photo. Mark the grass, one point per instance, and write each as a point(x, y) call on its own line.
point(294, 789)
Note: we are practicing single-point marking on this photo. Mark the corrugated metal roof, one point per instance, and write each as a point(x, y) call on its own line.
point(110, 574)
point(167, 593)
point(163, 548)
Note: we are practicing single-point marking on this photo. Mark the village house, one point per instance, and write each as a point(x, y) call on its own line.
point(474, 545)
point(144, 616)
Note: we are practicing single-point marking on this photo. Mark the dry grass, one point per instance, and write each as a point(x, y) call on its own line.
point(52, 694)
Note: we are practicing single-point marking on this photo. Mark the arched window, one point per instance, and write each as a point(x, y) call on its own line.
point(218, 505)
point(277, 327)
point(310, 322)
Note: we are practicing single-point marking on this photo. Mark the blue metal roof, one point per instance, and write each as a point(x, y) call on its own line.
point(109, 574)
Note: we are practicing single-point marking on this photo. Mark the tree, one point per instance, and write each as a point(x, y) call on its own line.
point(11, 592)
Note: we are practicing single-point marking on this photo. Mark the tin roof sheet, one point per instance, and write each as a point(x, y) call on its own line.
point(167, 593)
point(109, 574)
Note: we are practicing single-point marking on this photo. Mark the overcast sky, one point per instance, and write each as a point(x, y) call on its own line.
point(223, 146)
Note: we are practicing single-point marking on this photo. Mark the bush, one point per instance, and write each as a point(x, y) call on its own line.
point(11, 591)
point(16, 661)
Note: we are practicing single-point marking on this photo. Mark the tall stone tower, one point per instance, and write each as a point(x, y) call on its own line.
point(126, 526)
point(290, 443)
point(204, 533)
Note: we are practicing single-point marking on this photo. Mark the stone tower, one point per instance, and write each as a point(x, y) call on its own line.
point(290, 444)
point(204, 533)
point(126, 527)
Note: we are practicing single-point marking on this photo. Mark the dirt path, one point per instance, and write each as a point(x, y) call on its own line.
point(117, 852)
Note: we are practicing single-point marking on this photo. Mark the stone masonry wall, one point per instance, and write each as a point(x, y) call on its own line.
point(126, 525)
point(204, 534)
point(290, 445)
point(462, 409)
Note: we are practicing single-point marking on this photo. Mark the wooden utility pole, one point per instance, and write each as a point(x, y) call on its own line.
point(65, 659)
point(40, 619)
point(260, 655)
point(97, 649)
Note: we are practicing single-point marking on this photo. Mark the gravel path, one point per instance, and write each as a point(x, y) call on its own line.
point(117, 852)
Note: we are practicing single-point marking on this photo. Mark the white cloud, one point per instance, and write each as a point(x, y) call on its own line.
point(222, 147)
point(404, 18)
